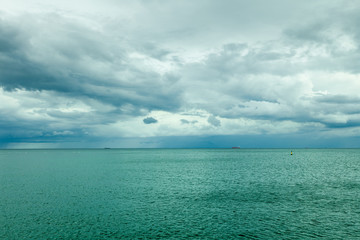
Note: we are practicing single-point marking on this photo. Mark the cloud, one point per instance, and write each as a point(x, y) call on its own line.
point(149, 120)
point(38, 61)
point(214, 121)
point(70, 71)
point(184, 121)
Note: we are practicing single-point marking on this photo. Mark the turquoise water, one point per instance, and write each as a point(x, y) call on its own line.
point(180, 194)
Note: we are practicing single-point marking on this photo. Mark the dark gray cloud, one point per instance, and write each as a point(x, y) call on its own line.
point(338, 99)
point(149, 120)
point(347, 124)
point(214, 121)
point(61, 65)
point(184, 121)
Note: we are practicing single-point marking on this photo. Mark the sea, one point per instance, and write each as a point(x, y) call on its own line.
point(180, 194)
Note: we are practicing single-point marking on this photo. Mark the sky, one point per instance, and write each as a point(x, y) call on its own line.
point(182, 74)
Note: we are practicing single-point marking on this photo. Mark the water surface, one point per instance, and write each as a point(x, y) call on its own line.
point(180, 194)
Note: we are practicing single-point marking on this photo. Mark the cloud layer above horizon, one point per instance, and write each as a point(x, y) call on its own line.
point(108, 72)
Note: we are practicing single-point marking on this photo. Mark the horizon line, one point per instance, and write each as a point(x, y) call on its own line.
point(129, 148)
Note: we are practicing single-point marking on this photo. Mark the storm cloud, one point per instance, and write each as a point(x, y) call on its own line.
point(95, 70)
point(149, 120)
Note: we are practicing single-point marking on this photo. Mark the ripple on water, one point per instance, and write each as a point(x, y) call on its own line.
point(180, 194)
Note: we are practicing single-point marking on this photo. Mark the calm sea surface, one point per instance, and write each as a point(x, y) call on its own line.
point(180, 194)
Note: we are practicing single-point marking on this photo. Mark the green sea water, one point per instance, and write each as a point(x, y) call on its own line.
point(180, 194)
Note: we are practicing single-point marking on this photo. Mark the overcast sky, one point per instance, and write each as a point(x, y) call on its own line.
point(162, 73)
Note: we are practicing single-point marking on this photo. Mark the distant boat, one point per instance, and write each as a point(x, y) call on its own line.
point(235, 147)
point(107, 148)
